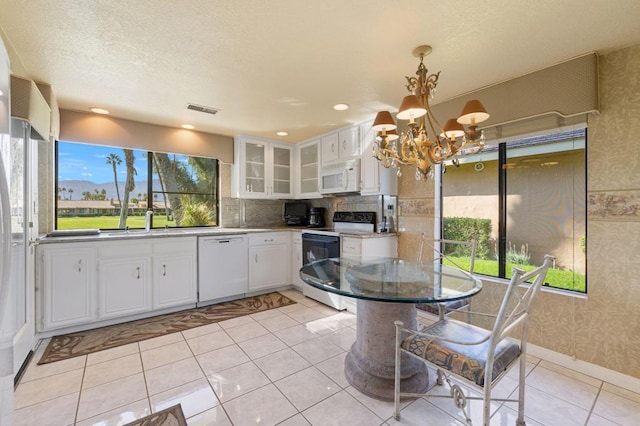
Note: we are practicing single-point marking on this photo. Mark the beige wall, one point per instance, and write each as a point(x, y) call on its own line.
point(604, 327)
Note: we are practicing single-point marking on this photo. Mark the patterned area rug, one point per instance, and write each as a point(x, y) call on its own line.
point(85, 342)
point(172, 416)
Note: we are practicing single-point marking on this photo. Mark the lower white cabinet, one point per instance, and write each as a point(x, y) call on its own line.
point(124, 279)
point(175, 268)
point(67, 283)
point(269, 260)
point(296, 259)
point(83, 283)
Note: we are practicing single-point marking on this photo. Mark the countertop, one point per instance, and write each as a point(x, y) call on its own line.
point(116, 235)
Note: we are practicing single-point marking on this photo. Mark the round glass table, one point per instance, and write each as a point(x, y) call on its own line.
point(387, 290)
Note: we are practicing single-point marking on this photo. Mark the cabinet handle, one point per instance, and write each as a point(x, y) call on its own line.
point(164, 270)
point(138, 270)
point(344, 144)
point(80, 265)
point(333, 147)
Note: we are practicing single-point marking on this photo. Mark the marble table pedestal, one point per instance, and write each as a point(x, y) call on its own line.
point(369, 365)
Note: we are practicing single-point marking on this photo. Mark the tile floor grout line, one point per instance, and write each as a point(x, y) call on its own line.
point(84, 372)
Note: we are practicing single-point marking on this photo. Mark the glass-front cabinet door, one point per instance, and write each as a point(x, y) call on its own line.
point(255, 167)
point(309, 162)
point(281, 172)
point(262, 168)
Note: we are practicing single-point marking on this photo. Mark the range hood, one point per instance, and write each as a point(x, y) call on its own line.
point(27, 103)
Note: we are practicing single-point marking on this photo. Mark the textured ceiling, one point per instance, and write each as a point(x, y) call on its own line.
point(282, 64)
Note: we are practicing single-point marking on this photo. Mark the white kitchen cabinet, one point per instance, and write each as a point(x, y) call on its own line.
point(269, 260)
point(376, 179)
point(262, 168)
point(124, 278)
point(68, 285)
point(340, 145)
point(296, 259)
point(367, 248)
point(174, 272)
point(308, 170)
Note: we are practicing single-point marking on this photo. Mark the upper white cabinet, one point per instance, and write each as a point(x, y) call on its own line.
point(343, 144)
point(261, 169)
point(308, 169)
point(376, 179)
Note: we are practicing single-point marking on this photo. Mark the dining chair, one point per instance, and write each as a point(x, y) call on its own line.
point(438, 254)
point(470, 355)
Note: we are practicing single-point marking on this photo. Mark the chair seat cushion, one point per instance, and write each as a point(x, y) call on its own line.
point(468, 361)
point(433, 307)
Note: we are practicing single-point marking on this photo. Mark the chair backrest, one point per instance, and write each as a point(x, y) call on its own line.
point(514, 309)
point(443, 248)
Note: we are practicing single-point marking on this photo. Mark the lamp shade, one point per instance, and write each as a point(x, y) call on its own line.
point(383, 121)
point(392, 135)
point(473, 113)
point(452, 129)
point(411, 107)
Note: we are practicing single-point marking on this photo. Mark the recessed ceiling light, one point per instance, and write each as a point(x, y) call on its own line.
point(282, 134)
point(340, 107)
point(188, 126)
point(99, 111)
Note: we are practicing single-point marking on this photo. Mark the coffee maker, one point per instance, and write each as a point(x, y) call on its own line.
point(316, 217)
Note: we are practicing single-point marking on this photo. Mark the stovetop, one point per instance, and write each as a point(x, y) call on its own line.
point(356, 223)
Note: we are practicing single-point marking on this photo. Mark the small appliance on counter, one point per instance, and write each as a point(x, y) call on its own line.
point(296, 214)
point(316, 217)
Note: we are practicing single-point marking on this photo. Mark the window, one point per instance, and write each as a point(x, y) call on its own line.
point(522, 199)
point(93, 182)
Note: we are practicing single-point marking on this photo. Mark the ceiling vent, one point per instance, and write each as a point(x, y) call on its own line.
point(202, 108)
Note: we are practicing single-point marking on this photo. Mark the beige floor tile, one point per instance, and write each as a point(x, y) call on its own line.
point(234, 322)
point(343, 337)
point(317, 350)
point(195, 397)
point(47, 388)
point(569, 373)
point(306, 315)
point(167, 354)
point(549, 410)
point(108, 371)
point(341, 409)
point(209, 342)
point(201, 331)
point(474, 407)
point(293, 294)
point(563, 386)
point(212, 417)
point(617, 409)
point(625, 393)
point(172, 375)
point(307, 387)
point(35, 371)
point(508, 417)
point(109, 396)
point(120, 415)
point(261, 316)
point(296, 334)
point(297, 420)
point(334, 369)
point(291, 308)
point(382, 409)
point(261, 346)
point(221, 359)
point(246, 332)
point(278, 322)
point(113, 353)
point(595, 420)
point(326, 325)
point(54, 412)
point(264, 406)
point(238, 380)
point(309, 302)
point(415, 413)
point(157, 342)
point(281, 364)
point(324, 309)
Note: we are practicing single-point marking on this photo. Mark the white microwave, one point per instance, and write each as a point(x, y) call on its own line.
point(340, 177)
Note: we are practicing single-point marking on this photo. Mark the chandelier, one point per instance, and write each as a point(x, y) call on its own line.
point(426, 142)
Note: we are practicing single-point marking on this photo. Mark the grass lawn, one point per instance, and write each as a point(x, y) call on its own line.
point(110, 222)
point(555, 277)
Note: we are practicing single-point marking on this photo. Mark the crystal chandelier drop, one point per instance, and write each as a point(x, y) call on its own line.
point(426, 142)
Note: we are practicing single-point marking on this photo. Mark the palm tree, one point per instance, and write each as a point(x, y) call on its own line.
point(70, 191)
point(129, 185)
point(115, 161)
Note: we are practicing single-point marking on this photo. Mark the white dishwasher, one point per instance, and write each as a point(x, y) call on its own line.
point(223, 264)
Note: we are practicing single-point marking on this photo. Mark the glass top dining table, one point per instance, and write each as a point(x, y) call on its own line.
point(391, 280)
point(386, 290)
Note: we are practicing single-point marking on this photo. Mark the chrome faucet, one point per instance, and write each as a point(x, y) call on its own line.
point(147, 220)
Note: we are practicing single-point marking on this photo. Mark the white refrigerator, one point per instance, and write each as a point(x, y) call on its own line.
point(7, 326)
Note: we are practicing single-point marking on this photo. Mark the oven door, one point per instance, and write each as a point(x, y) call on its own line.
point(315, 247)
